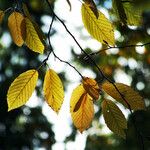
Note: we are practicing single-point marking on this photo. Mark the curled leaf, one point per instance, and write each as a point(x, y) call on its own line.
point(91, 87)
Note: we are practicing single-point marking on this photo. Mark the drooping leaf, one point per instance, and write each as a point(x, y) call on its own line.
point(1, 16)
point(32, 39)
point(91, 87)
point(21, 89)
point(101, 29)
point(114, 118)
point(17, 27)
point(53, 90)
point(127, 13)
point(134, 16)
point(133, 98)
point(37, 28)
point(82, 117)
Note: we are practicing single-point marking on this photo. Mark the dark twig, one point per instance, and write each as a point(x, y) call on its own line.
point(126, 46)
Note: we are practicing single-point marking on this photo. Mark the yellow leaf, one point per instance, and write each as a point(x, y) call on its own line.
point(17, 27)
point(101, 29)
point(82, 118)
point(1, 16)
point(91, 87)
point(135, 101)
point(37, 28)
point(32, 39)
point(114, 118)
point(53, 90)
point(21, 89)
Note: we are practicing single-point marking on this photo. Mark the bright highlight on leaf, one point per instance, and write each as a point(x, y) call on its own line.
point(114, 118)
point(82, 118)
point(53, 90)
point(32, 39)
point(91, 87)
point(1, 16)
point(101, 29)
point(135, 101)
point(17, 27)
point(21, 89)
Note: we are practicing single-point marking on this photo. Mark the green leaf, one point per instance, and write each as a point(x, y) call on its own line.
point(114, 118)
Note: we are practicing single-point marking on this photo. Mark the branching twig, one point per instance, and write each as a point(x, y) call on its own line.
point(126, 46)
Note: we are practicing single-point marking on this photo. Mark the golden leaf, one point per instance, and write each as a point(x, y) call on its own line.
point(32, 39)
point(135, 101)
point(101, 29)
point(21, 89)
point(114, 118)
point(91, 87)
point(37, 28)
point(1, 16)
point(53, 90)
point(17, 28)
point(83, 116)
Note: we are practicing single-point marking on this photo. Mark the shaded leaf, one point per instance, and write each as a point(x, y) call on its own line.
point(91, 87)
point(114, 118)
point(21, 89)
point(82, 118)
point(32, 39)
point(53, 90)
point(135, 101)
point(93, 7)
point(1, 16)
point(17, 28)
point(101, 29)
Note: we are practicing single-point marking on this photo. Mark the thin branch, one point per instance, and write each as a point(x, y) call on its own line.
point(126, 46)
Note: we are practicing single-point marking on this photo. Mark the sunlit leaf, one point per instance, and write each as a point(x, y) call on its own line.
point(101, 29)
point(53, 90)
point(91, 87)
point(17, 27)
point(32, 39)
point(114, 118)
point(1, 16)
point(133, 98)
point(21, 89)
point(37, 28)
point(83, 116)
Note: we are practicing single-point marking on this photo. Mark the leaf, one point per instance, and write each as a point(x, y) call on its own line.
point(37, 28)
point(32, 39)
point(1, 16)
point(100, 29)
point(91, 87)
point(135, 101)
point(21, 89)
point(82, 118)
point(92, 6)
point(134, 16)
point(53, 90)
point(17, 27)
point(114, 118)
point(127, 13)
